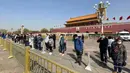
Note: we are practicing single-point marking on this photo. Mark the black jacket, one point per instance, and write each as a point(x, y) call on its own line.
point(54, 37)
point(103, 43)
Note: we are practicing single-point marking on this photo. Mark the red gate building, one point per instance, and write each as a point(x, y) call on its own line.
point(91, 24)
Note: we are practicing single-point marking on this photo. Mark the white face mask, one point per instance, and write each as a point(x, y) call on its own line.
point(103, 37)
point(119, 42)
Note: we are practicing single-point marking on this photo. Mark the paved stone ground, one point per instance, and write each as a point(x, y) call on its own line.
point(9, 65)
point(92, 46)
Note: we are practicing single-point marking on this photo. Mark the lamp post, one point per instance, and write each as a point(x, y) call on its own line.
point(101, 10)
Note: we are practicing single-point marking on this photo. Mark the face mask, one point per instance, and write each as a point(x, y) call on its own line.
point(103, 37)
point(76, 37)
point(119, 42)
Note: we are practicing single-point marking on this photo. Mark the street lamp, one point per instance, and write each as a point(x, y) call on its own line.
point(101, 9)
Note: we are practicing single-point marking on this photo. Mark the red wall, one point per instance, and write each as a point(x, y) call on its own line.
point(95, 28)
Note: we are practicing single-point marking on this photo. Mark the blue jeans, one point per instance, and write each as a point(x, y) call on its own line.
point(62, 49)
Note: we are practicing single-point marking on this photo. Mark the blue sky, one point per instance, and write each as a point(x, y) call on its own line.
point(37, 14)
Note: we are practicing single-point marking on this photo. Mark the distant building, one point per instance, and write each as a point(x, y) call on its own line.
point(108, 28)
point(86, 20)
point(91, 24)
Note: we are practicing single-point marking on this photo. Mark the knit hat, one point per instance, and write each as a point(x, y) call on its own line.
point(118, 38)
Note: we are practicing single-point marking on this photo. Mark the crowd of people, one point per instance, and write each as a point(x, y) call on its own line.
point(116, 50)
point(114, 46)
point(36, 41)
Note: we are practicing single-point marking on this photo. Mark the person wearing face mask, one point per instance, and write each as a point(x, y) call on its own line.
point(78, 48)
point(119, 55)
point(103, 45)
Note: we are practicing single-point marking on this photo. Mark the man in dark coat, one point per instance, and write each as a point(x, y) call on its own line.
point(103, 45)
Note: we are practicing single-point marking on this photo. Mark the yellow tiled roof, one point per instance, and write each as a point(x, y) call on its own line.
point(83, 21)
point(83, 17)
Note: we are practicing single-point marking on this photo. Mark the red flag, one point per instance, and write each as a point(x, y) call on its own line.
point(128, 17)
point(121, 17)
point(114, 18)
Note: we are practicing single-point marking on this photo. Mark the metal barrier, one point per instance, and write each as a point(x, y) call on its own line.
point(36, 63)
point(6, 45)
point(32, 62)
point(19, 53)
point(1, 41)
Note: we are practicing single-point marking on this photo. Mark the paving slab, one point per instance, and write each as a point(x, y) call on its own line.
point(9, 65)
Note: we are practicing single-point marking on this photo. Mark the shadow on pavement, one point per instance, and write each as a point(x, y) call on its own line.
point(98, 62)
point(126, 69)
point(74, 57)
point(98, 55)
point(107, 60)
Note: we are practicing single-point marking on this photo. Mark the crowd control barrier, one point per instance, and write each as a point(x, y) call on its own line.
point(30, 60)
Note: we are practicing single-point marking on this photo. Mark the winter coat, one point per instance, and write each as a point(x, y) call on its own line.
point(119, 53)
point(62, 43)
point(54, 37)
point(35, 40)
point(78, 44)
point(40, 39)
point(103, 43)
